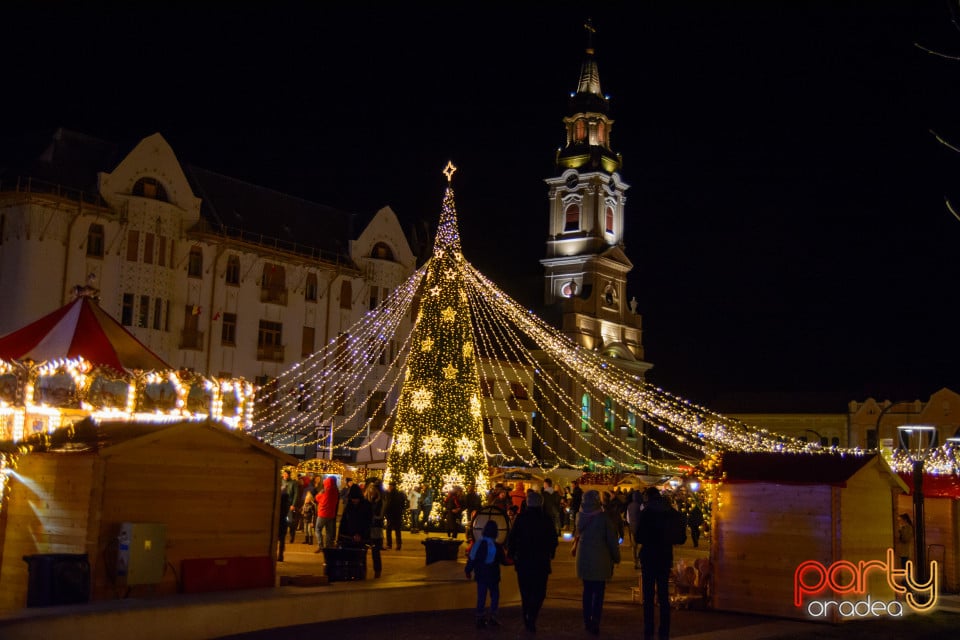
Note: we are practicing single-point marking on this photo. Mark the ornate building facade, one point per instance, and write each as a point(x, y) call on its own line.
point(213, 274)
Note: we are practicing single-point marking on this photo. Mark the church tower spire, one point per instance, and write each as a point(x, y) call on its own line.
point(586, 265)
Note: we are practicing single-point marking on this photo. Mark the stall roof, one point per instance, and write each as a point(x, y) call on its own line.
point(796, 468)
point(935, 486)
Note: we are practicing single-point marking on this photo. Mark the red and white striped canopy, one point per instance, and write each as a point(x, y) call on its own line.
point(80, 329)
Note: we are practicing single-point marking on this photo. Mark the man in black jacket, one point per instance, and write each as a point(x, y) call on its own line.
point(532, 544)
point(656, 560)
point(394, 506)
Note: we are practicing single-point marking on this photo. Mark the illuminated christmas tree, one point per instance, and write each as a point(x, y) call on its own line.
point(438, 435)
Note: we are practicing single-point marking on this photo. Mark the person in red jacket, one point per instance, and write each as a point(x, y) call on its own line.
point(327, 503)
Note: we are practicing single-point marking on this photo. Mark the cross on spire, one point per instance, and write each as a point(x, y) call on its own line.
point(590, 29)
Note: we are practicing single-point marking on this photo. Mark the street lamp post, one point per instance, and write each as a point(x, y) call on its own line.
point(918, 441)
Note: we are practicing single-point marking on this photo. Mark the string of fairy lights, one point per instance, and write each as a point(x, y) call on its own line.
point(430, 389)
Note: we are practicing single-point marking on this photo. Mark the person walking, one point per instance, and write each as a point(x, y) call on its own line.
point(356, 520)
point(413, 502)
point(394, 505)
point(452, 510)
point(290, 487)
point(308, 515)
point(284, 524)
point(695, 520)
point(375, 540)
point(598, 550)
point(551, 503)
point(328, 503)
point(426, 505)
point(656, 560)
point(532, 544)
point(633, 519)
point(576, 499)
point(484, 562)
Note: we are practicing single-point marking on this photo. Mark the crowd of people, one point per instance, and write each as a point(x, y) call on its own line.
point(371, 516)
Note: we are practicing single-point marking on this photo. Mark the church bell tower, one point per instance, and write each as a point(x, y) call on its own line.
point(586, 266)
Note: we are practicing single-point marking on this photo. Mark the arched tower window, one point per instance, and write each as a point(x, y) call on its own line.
point(585, 413)
point(150, 188)
point(609, 219)
point(382, 251)
point(601, 133)
point(95, 241)
point(572, 217)
point(579, 130)
point(608, 416)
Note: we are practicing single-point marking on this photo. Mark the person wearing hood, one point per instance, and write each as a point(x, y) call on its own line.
point(327, 503)
point(484, 562)
point(598, 550)
point(356, 520)
point(532, 544)
point(656, 560)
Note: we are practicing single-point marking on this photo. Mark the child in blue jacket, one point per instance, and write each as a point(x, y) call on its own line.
point(484, 562)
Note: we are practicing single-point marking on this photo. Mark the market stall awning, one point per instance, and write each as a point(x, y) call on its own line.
point(80, 329)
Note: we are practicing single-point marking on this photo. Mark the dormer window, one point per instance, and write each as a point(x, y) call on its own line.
point(382, 251)
point(150, 188)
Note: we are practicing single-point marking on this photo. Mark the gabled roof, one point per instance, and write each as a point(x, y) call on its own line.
point(111, 438)
point(796, 468)
point(80, 329)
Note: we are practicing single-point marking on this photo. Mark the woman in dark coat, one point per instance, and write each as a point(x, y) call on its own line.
point(532, 543)
point(356, 520)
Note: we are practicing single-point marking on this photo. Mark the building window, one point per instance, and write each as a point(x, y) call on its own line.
point(631, 425)
point(572, 217)
point(162, 251)
point(382, 251)
point(150, 188)
point(346, 295)
point(608, 417)
point(95, 241)
point(191, 337)
point(228, 331)
point(519, 391)
point(377, 405)
point(609, 217)
point(133, 245)
point(518, 428)
point(143, 317)
point(585, 413)
point(232, 275)
point(157, 312)
point(306, 346)
point(126, 310)
point(195, 263)
point(486, 387)
point(270, 341)
point(488, 425)
point(148, 248)
point(374, 297)
point(310, 289)
point(601, 133)
point(273, 285)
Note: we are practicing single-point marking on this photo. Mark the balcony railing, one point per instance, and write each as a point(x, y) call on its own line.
point(274, 296)
point(191, 340)
point(270, 352)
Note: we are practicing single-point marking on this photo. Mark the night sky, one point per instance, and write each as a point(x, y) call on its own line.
point(786, 214)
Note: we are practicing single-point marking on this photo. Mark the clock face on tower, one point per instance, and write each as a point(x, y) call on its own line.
point(572, 181)
point(569, 289)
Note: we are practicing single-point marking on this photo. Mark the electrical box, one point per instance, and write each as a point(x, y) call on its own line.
point(142, 552)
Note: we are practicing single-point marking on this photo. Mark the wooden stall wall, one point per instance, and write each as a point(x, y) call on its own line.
point(215, 493)
point(865, 523)
point(761, 534)
point(48, 511)
point(943, 530)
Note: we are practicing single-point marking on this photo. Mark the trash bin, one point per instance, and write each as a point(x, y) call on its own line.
point(441, 549)
point(57, 578)
point(346, 563)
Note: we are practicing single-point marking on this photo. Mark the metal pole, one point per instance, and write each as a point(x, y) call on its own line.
point(919, 535)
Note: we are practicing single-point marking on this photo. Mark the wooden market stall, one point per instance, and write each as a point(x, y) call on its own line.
point(155, 508)
point(774, 511)
point(941, 524)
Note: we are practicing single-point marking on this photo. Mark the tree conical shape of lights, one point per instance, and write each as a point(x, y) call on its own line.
point(438, 434)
